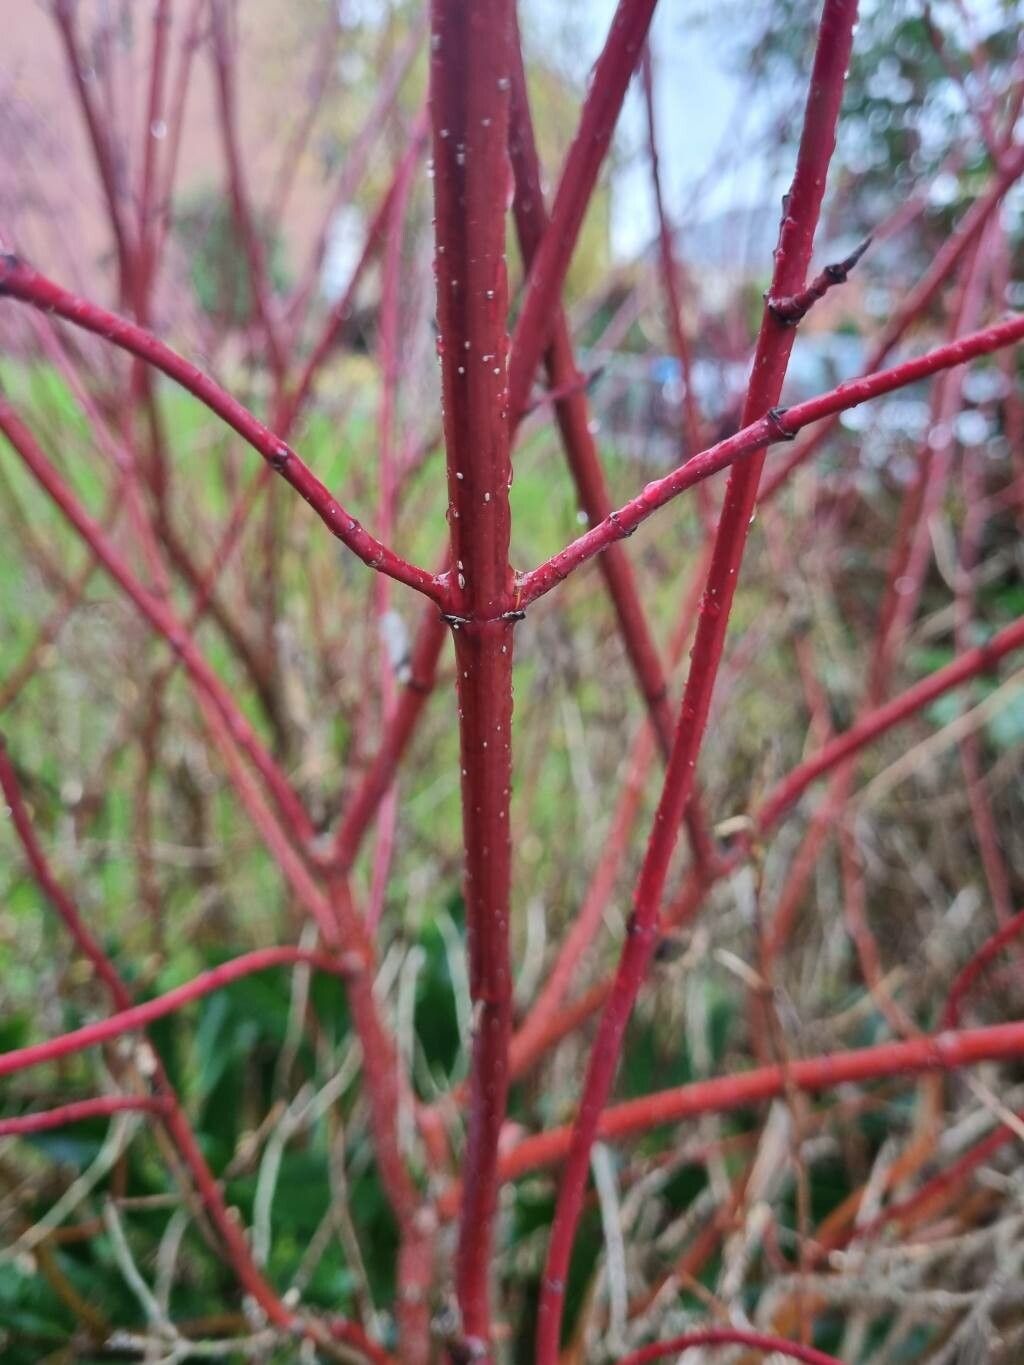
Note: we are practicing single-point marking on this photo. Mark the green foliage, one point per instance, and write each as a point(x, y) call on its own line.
point(207, 235)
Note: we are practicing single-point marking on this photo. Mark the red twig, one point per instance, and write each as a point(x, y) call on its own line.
point(78, 1111)
point(573, 414)
point(178, 1128)
point(729, 1336)
point(874, 723)
point(224, 66)
point(99, 135)
point(780, 424)
point(397, 732)
point(979, 961)
point(355, 167)
point(774, 344)
point(921, 1199)
point(670, 275)
point(611, 77)
point(20, 281)
point(158, 614)
point(793, 308)
point(916, 303)
point(138, 1016)
point(872, 726)
point(934, 1052)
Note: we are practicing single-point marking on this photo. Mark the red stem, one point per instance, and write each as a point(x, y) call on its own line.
point(225, 65)
point(397, 732)
point(159, 615)
point(779, 425)
point(774, 345)
point(138, 1016)
point(975, 967)
point(917, 1056)
point(77, 1111)
point(871, 726)
point(942, 1183)
point(99, 139)
point(354, 169)
point(729, 1336)
point(471, 59)
point(876, 722)
point(917, 302)
point(342, 308)
point(692, 425)
point(610, 79)
point(572, 411)
point(20, 281)
point(179, 1131)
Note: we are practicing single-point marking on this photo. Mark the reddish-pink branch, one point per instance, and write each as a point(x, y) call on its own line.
point(588, 920)
point(229, 1230)
point(138, 1016)
point(780, 424)
point(99, 133)
point(871, 727)
point(383, 1078)
point(151, 138)
point(916, 303)
point(972, 480)
point(354, 169)
point(572, 412)
point(79, 1111)
point(939, 1185)
point(947, 1051)
point(610, 79)
point(692, 432)
point(225, 65)
point(980, 960)
point(874, 723)
point(20, 281)
point(159, 615)
point(729, 1336)
point(325, 68)
point(395, 736)
point(342, 308)
point(470, 70)
point(774, 344)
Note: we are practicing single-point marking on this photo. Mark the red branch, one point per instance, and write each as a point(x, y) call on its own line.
point(774, 345)
point(916, 304)
point(572, 412)
point(729, 1336)
point(937, 1052)
point(159, 615)
point(793, 308)
point(224, 65)
point(179, 1130)
point(610, 79)
point(876, 722)
point(778, 802)
point(780, 424)
point(471, 58)
point(78, 1111)
point(20, 281)
point(138, 1016)
point(968, 974)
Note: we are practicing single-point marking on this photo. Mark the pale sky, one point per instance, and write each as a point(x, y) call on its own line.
point(700, 111)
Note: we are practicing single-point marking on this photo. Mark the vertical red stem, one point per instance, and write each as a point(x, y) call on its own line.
point(471, 55)
point(774, 345)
